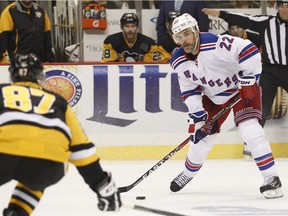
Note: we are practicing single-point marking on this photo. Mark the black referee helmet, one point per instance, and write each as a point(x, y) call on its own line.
point(280, 2)
point(169, 19)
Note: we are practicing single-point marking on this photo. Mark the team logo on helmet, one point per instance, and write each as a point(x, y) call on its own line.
point(65, 84)
point(129, 18)
point(183, 22)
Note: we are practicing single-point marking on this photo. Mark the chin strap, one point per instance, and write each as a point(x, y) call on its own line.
point(196, 43)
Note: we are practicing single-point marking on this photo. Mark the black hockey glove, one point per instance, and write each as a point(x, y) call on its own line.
point(205, 130)
point(199, 135)
point(108, 195)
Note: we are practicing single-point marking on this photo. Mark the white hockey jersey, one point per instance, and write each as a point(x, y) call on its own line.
point(214, 71)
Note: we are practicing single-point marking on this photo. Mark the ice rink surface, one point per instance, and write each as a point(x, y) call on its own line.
point(222, 187)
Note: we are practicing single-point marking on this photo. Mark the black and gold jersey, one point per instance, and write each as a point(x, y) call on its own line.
point(166, 47)
point(38, 123)
point(26, 30)
point(117, 49)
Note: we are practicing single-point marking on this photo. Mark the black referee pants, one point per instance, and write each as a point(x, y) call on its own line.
point(272, 77)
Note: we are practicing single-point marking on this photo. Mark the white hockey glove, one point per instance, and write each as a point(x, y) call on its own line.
point(196, 121)
point(108, 194)
point(248, 87)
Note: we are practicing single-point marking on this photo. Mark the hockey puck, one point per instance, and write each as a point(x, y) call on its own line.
point(140, 198)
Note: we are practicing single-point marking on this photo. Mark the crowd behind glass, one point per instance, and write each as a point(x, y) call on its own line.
point(148, 4)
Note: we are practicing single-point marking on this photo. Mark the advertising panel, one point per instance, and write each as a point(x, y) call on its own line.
point(132, 109)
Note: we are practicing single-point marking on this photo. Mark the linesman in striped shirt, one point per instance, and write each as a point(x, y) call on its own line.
point(39, 135)
point(273, 31)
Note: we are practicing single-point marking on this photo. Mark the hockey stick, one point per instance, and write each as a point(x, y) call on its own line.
point(129, 187)
point(152, 210)
point(221, 112)
point(170, 154)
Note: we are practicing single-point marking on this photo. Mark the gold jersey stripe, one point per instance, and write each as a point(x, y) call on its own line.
point(33, 141)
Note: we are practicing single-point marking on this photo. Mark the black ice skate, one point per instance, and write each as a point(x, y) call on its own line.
point(271, 188)
point(179, 182)
point(14, 212)
point(8, 212)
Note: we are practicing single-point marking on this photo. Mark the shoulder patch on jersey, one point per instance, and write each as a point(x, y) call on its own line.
point(208, 41)
point(178, 58)
point(247, 52)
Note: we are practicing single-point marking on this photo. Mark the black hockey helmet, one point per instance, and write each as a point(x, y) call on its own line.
point(169, 19)
point(26, 67)
point(129, 18)
point(280, 2)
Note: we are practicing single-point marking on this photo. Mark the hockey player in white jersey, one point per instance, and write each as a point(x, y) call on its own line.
point(213, 70)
